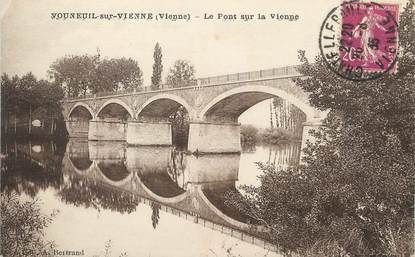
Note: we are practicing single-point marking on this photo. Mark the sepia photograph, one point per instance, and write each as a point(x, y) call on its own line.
point(207, 128)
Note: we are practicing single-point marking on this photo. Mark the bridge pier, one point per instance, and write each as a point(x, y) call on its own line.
point(210, 168)
point(106, 130)
point(77, 128)
point(148, 158)
point(149, 133)
point(106, 150)
point(207, 137)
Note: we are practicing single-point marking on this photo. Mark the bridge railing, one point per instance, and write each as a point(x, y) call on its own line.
point(208, 81)
point(253, 75)
point(119, 92)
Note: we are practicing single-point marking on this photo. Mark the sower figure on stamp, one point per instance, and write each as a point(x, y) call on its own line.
point(366, 32)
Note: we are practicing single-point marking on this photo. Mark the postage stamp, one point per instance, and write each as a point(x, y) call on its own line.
point(359, 40)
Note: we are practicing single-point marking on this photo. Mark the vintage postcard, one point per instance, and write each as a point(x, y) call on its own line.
point(207, 128)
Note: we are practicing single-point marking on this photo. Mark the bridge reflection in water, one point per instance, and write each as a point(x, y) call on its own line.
point(191, 187)
point(118, 177)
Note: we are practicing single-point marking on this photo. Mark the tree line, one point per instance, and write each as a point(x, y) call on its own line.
point(23, 97)
point(77, 75)
point(85, 74)
point(286, 116)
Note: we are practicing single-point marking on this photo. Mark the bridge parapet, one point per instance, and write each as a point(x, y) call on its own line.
point(288, 71)
point(281, 72)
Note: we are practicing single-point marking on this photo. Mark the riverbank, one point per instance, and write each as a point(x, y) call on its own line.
point(252, 135)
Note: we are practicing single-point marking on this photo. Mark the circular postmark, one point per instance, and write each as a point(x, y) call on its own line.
point(359, 40)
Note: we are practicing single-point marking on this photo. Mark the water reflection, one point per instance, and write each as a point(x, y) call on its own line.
point(284, 155)
point(27, 171)
point(79, 154)
point(153, 184)
point(113, 170)
point(116, 177)
point(155, 214)
point(157, 170)
point(86, 192)
point(215, 194)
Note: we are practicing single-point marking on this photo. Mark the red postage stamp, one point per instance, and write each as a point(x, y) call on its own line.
point(364, 39)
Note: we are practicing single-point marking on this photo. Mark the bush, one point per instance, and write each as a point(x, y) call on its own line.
point(275, 135)
point(249, 134)
point(23, 226)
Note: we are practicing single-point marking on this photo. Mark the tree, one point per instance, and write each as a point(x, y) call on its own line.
point(21, 96)
point(84, 192)
point(354, 195)
point(130, 75)
point(287, 116)
point(181, 74)
point(249, 134)
point(9, 99)
point(157, 68)
point(22, 227)
point(106, 77)
point(75, 74)
point(155, 214)
point(118, 74)
point(278, 103)
point(180, 126)
point(79, 75)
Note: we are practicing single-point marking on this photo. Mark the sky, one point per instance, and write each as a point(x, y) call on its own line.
point(31, 40)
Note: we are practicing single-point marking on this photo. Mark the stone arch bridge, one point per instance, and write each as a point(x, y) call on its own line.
point(213, 104)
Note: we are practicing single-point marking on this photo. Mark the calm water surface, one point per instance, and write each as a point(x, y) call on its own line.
point(149, 201)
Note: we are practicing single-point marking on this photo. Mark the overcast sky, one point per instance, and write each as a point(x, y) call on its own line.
point(31, 40)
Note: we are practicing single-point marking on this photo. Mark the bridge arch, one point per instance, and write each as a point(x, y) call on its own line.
point(234, 102)
point(234, 222)
point(79, 170)
point(80, 164)
point(81, 105)
point(114, 182)
point(162, 199)
point(162, 105)
point(95, 168)
point(116, 102)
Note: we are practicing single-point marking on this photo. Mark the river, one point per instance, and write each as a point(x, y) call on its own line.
point(145, 201)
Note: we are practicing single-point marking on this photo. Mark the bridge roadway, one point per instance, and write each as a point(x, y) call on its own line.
point(182, 187)
point(213, 105)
